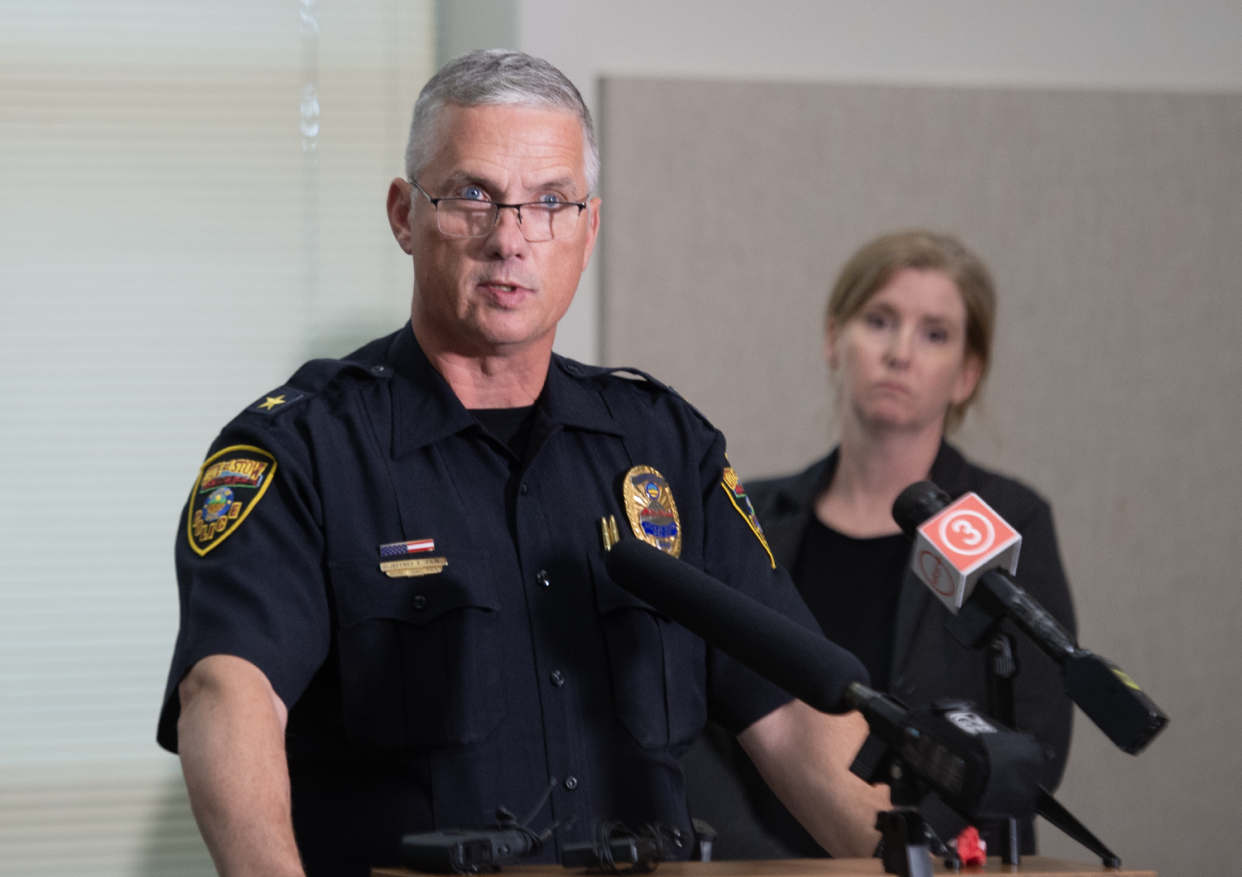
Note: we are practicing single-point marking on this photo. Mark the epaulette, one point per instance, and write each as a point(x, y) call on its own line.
point(635, 376)
point(311, 379)
point(580, 370)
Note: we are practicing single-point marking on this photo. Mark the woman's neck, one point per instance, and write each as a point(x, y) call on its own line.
point(873, 467)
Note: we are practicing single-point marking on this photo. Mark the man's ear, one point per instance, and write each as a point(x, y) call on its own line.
point(399, 214)
point(592, 230)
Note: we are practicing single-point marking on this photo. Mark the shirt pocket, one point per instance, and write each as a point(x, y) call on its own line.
point(657, 667)
point(419, 666)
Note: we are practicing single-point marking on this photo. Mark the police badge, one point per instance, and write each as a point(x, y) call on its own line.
point(650, 507)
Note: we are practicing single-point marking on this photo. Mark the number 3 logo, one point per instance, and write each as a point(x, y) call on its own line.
point(967, 532)
point(970, 536)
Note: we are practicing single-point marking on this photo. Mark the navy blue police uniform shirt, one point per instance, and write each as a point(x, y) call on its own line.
point(425, 703)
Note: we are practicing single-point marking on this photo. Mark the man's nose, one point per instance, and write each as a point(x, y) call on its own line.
point(506, 238)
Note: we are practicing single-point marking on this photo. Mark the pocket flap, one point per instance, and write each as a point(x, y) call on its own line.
point(364, 592)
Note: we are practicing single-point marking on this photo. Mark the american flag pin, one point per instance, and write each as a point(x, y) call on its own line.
point(400, 549)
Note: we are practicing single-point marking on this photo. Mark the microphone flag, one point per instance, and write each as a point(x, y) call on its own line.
point(957, 545)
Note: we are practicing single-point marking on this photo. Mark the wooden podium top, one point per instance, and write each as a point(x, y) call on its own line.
point(1032, 866)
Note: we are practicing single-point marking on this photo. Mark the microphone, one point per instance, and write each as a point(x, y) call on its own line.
point(1103, 691)
point(804, 663)
point(955, 542)
point(980, 769)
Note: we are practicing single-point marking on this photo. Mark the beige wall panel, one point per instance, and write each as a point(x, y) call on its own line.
point(1113, 224)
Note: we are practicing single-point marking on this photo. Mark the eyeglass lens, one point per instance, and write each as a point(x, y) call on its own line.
point(463, 218)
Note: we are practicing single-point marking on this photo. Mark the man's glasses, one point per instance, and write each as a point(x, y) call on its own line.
point(471, 218)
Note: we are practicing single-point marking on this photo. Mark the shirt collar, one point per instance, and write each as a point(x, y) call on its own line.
point(571, 399)
point(426, 410)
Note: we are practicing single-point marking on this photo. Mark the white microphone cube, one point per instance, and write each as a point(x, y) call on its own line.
point(961, 542)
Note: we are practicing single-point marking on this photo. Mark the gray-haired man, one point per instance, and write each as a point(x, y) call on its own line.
point(394, 613)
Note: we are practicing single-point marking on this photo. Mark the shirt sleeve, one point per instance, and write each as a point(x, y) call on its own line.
point(251, 580)
point(736, 553)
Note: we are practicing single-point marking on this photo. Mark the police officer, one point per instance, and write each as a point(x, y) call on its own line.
point(394, 611)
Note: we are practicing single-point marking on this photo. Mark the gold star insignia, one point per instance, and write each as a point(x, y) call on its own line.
point(272, 401)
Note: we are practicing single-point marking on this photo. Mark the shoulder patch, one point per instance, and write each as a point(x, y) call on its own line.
point(230, 484)
point(737, 495)
point(277, 400)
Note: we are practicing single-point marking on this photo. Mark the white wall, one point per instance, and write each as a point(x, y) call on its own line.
point(1138, 44)
point(169, 250)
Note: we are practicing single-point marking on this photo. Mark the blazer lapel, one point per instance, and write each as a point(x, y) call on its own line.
point(785, 537)
point(786, 533)
point(950, 472)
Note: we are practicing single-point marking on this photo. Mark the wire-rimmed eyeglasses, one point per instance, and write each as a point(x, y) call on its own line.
point(472, 218)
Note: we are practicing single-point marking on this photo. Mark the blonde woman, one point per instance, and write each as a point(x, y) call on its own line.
point(908, 339)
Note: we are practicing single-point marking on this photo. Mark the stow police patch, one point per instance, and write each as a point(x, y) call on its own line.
point(651, 510)
point(230, 483)
point(737, 495)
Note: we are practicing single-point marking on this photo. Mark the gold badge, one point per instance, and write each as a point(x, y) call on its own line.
point(230, 484)
point(413, 568)
point(650, 507)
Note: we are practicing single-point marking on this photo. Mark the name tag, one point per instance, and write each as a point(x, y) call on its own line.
point(413, 567)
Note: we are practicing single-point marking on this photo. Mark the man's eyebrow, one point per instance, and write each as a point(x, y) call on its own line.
point(560, 183)
point(459, 178)
point(462, 178)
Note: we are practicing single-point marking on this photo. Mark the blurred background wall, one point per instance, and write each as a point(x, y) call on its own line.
point(1112, 223)
point(191, 204)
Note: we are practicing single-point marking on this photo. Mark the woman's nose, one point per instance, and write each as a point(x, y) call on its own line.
point(900, 346)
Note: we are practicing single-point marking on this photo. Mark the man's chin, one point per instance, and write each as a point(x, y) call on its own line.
point(510, 336)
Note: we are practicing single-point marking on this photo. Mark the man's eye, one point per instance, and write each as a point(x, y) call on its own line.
point(550, 199)
point(473, 193)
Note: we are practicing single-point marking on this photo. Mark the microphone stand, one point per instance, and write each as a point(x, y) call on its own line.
point(905, 848)
point(1002, 674)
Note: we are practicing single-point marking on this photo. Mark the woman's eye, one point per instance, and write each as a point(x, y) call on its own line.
point(473, 193)
point(937, 336)
point(875, 321)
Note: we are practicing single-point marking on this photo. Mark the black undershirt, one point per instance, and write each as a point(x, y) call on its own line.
point(510, 425)
point(851, 586)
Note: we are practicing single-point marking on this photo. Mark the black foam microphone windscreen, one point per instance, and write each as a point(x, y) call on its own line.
point(802, 662)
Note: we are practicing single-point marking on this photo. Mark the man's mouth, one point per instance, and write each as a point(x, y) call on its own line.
point(504, 290)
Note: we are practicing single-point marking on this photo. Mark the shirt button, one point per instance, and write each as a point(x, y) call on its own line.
point(571, 783)
point(420, 602)
point(523, 489)
point(377, 369)
point(558, 678)
point(542, 578)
